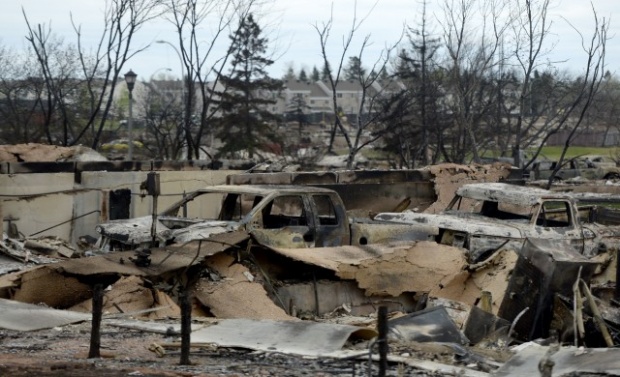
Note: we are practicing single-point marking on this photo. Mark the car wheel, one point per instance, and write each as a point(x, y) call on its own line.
point(614, 176)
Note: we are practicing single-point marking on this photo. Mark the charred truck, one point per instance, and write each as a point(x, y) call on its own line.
point(276, 216)
point(486, 217)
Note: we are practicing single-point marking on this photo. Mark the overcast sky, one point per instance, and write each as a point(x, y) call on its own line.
point(289, 27)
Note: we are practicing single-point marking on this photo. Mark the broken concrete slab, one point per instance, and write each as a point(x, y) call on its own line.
point(21, 316)
point(289, 337)
point(567, 361)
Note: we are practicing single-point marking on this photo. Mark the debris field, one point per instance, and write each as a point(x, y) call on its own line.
point(491, 279)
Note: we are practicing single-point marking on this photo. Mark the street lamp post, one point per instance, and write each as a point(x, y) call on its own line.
point(130, 79)
point(183, 99)
point(182, 65)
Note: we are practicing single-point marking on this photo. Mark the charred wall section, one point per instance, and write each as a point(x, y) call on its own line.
point(68, 199)
point(368, 190)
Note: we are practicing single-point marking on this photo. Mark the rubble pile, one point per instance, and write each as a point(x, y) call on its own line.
point(446, 324)
point(539, 303)
point(449, 177)
point(33, 152)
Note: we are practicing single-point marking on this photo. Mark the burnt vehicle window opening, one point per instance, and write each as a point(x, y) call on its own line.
point(554, 214)
point(325, 210)
point(504, 211)
point(284, 211)
point(237, 206)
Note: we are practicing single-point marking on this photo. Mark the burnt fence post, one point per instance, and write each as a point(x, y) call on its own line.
point(382, 328)
point(186, 324)
point(95, 333)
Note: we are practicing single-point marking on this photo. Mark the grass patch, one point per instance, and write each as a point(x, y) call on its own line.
point(554, 153)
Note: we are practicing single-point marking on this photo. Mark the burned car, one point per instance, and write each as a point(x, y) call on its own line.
point(588, 167)
point(486, 217)
point(276, 216)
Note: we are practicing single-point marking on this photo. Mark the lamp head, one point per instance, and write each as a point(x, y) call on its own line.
point(130, 79)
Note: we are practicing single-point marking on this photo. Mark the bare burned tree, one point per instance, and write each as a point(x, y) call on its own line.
point(368, 117)
point(57, 63)
point(605, 109)
point(19, 121)
point(472, 57)
point(328, 72)
point(162, 114)
point(587, 86)
point(101, 70)
point(530, 31)
point(199, 60)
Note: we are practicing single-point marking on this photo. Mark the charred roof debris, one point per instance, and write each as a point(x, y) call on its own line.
point(478, 277)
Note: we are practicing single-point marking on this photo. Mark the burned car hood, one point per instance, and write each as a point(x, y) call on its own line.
point(470, 223)
point(137, 231)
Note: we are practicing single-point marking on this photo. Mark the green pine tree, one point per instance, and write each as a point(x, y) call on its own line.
point(246, 123)
point(354, 70)
point(303, 76)
point(316, 76)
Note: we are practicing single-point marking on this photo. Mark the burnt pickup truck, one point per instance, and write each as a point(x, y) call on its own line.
point(275, 216)
point(486, 217)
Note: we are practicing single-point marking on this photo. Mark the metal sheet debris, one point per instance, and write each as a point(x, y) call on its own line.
point(429, 325)
point(15, 315)
point(567, 361)
point(19, 251)
point(63, 284)
point(290, 337)
point(163, 260)
point(169, 329)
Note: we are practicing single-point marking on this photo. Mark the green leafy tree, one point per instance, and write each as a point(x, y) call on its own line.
point(246, 123)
